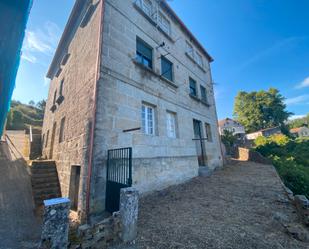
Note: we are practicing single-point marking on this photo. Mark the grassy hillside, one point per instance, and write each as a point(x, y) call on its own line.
point(291, 159)
point(21, 116)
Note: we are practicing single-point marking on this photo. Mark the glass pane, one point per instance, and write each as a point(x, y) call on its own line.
point(203, 93)
point(166, 69)
point(193, 87)
point(143, 50)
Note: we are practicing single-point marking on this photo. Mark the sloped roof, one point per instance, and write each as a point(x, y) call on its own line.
point(223, 121)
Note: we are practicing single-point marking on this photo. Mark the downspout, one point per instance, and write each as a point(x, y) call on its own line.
point(215, 107)
point(97, 78)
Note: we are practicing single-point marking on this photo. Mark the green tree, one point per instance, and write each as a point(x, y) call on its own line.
point(31, 102)
point(260, 110)
point(299, 122)
point(228, 139)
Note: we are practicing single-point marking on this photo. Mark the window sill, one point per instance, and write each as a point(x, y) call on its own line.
point(167, 81)
point(194, 97)
point(60, 99)
point(153, 22)
point(192, 59)
point(53, 108)
point(205, 103)
point(150, 70)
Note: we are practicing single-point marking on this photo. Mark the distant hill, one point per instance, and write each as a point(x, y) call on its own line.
point(21, 116)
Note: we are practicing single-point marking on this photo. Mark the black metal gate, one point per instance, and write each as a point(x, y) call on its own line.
point(118, 175)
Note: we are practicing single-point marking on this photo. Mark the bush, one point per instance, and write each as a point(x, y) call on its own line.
point(291, 159)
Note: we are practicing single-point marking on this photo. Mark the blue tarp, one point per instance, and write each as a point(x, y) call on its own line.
point(13, 19)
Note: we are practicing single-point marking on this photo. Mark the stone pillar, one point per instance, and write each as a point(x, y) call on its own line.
point(55, 228)
point(128, 213)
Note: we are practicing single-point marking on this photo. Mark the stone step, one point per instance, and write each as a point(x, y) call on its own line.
point(43, 164)
point(39, 200)
point(46, 191)
point(43, 170)
point(43, 180)
point(45, 175)
point(45, 184)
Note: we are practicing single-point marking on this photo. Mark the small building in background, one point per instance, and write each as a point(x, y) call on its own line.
point(300, 132)
point(265, 132)
point(231, 125)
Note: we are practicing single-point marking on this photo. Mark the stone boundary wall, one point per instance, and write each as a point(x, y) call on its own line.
point(120, 227)
point(101, 234)
point(250, 155)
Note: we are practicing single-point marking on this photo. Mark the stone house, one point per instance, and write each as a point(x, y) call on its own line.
point(265, 132)
point(300, 132)
point(128, 74)
point(231, 125)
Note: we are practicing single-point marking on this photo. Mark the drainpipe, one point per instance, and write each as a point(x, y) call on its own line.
point(221, 150)
point(97, 78)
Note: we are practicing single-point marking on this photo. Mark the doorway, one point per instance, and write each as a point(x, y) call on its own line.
point(74, 186)
point(51, 151)
point(199, 142)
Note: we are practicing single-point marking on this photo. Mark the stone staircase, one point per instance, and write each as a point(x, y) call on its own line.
point(45, 182)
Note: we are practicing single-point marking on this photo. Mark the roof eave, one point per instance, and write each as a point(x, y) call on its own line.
point(172, 12)
point(70, 23)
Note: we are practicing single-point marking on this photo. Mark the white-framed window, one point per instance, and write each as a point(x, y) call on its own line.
point(208, 132)
point(148, 119)
point(199, 59)
point(189, 49)
point(164, 23)
point(146, 6)
point(171, 124)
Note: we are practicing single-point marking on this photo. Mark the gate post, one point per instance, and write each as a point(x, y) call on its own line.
point(55, 227)
point(129, 213)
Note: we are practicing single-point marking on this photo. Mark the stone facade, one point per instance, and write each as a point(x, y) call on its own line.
point(123, 87)
point(78, 74)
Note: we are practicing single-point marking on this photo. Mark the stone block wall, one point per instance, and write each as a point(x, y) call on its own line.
point(158, 161)
point(79, 77)
point(250, 155)
point(101, 234)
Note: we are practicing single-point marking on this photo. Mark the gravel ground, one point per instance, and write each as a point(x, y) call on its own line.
point(241, 206)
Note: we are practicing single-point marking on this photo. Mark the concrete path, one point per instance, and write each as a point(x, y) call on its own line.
point(19, 228)
point(242, 206)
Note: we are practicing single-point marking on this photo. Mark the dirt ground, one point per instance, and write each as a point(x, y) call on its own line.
point(19, 228)
point(242, 206)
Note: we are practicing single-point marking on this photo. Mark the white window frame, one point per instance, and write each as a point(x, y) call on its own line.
point(199, 59)
point(164, 23)
point(208, 132)
point(189, 49)
point(147, 9)
point(171, 124)
point(148, 119)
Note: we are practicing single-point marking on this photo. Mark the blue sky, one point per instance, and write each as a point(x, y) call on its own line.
point(256, 44)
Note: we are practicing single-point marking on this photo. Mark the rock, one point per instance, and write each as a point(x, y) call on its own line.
point(298, 232)
point(204, 171)
point(302, 206)
point(280, 217)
